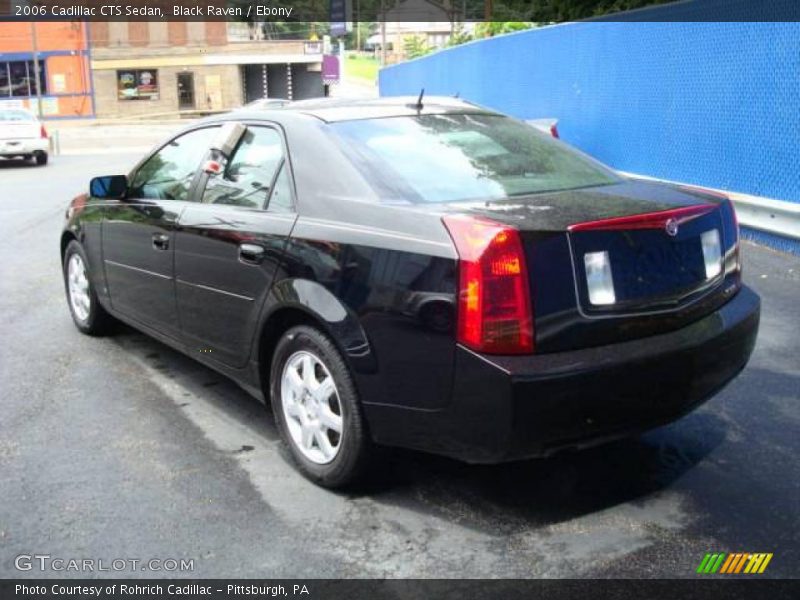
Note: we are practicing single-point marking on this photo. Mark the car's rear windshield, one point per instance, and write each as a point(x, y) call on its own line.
point(15, 115)
point(462, 157)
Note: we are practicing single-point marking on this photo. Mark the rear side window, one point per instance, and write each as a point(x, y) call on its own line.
point(462, 157)
point(281, 199)
point(168, 174)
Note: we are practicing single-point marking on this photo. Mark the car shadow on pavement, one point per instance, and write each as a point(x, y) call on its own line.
point(16, 164)
point(497, 498)
point(549, 490)
point(196, 381)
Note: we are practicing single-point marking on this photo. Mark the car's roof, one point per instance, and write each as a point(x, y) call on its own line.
point(344, 109)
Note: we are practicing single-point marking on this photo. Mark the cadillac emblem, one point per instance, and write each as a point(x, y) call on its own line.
point(671, 227)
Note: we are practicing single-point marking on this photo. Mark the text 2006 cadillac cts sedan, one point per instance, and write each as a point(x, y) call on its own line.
point(426, 274)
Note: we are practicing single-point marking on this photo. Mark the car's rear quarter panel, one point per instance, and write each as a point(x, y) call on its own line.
point(382, 288)
point(381, 264)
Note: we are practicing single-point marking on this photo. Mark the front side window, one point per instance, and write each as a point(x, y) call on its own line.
point(462, 157)
point(168, 174)
point(248, 175)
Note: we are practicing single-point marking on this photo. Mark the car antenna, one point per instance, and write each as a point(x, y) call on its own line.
point(419, 106)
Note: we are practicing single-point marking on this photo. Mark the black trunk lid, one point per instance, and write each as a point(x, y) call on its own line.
point(652, 234)
point(654, 268)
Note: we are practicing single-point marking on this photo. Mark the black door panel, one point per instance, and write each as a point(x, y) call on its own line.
point(225, 261)
point(140, 275)
point(229, 246)
point(138, 232)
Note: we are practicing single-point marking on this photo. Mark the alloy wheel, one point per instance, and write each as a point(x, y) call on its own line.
point(78, 286)
point(311, 407)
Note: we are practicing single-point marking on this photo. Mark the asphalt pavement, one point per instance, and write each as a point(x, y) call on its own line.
point(120, 448)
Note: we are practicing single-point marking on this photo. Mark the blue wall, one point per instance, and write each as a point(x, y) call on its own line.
point(715, 104)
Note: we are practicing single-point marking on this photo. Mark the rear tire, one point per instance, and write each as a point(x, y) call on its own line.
point(41, 159)
point(87, 313)
point(317, 410)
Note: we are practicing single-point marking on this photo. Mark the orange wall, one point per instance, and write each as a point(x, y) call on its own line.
point(66, 75)
point(58, 35)
point(73, 72)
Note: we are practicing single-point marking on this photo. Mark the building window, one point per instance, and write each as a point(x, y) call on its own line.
point(137, 84)
point(17, 78)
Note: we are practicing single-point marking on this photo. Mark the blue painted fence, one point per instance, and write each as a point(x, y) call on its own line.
point(714, 104)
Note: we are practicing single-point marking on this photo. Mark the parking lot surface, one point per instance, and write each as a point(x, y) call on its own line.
point(122, 448)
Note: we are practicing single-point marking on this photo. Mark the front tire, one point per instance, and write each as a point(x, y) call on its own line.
point(316, 407)
point(87, 313)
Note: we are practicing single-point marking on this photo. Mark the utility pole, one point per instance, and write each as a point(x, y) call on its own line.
point(358, 27)
point(35, 42)
point(383, 33)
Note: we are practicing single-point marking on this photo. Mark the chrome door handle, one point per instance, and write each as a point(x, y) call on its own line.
point(160, 241)
point(252, 253)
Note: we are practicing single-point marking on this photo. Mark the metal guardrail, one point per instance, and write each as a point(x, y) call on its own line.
point(764, 214)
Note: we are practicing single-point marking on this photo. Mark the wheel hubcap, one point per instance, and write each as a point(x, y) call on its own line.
point(311, 407)
point(78, 286)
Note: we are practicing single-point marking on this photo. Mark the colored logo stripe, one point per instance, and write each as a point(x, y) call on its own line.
point(737, 562)
point(711, 563)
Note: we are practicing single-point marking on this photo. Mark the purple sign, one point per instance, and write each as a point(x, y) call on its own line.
point(330, 68)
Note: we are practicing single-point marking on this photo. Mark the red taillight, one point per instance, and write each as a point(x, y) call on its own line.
point(735, 221)
point(736, 247)
point(43, 133)
point(494, 306)
point(734, 217)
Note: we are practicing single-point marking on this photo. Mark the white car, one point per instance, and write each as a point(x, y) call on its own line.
point(266, 104)
point(23, 136)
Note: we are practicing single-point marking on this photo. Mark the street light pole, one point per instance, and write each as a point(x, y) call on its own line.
point(36, 73)
point(358, 27)
point(383, 33)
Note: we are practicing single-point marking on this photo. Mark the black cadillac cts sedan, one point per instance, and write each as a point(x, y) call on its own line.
point(426, 274)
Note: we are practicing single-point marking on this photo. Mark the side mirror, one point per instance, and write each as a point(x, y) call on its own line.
point(111, 187)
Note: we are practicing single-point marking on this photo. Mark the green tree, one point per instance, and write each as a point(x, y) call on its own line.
point(365, 30)
point(459, 36)
point(493, 28)
point(552, 11)
point(415, 46)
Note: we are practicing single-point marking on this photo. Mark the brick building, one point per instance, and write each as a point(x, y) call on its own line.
point(65, 81)
point(163, 67)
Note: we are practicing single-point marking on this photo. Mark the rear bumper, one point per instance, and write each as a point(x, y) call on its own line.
point(17, 147)
point(506, 408)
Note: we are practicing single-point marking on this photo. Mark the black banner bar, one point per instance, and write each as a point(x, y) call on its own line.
point(458, 11)
point(717, 588)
